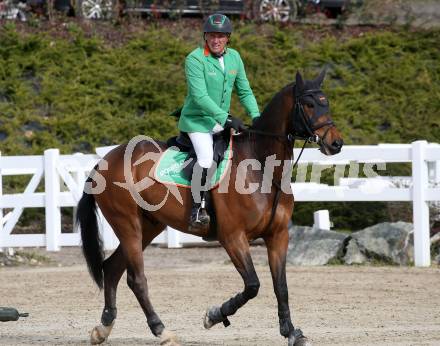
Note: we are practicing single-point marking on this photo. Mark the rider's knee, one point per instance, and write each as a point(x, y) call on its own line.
point(205, 162)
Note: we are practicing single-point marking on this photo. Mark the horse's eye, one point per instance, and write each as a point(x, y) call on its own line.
point(309, 105)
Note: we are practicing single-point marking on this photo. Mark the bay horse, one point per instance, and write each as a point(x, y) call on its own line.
point(299, 110)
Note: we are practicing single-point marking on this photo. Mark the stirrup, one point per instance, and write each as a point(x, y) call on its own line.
point(200, 217)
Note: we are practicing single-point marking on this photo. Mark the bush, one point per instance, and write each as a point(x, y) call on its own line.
point(75, 89)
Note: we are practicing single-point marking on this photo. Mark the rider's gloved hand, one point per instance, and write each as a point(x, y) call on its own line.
point(234, 123)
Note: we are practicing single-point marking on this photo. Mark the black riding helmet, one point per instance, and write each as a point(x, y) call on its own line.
point(217, 23)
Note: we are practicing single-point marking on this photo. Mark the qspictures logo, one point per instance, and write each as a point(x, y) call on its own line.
point(242, 184)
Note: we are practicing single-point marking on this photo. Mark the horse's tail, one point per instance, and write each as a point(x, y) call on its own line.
point(91, 241)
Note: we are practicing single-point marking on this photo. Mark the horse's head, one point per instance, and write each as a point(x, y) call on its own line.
point(311, 117)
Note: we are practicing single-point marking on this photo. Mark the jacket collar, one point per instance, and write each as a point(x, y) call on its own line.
point(206, 51)
point(214, 60)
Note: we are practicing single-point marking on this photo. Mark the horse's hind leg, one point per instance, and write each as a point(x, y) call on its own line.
point(137, 282)
point(238, 250)
point(114, 266)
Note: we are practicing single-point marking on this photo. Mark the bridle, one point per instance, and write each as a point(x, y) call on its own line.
point(308, 126)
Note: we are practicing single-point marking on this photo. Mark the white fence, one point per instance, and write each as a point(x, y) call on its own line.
point(64, 177)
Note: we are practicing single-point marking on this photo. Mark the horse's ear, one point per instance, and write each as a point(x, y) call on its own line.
point(318, 81)
point(299, 82)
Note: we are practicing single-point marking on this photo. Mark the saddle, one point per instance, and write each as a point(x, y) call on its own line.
point(183, 143)
point(170, 170)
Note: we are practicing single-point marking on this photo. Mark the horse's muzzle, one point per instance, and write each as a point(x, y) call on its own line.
point(336, 146)
point(333, 148)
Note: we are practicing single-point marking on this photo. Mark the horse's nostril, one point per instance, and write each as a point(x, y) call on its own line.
point(337, 144)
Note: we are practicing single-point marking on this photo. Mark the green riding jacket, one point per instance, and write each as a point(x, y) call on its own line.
point(210, 89)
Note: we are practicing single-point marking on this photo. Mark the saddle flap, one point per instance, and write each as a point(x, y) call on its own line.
point(175, 166)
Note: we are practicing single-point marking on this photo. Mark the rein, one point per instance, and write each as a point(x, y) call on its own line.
point(288, 138)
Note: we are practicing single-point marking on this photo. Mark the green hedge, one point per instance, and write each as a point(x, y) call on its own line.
point(83, 91)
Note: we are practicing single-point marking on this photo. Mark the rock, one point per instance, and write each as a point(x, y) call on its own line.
point(435, 247)
point(309, 246)
point(435, 239)
point(353, 254)
point(388, 242)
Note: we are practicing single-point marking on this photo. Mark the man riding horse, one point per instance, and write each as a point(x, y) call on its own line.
point(211, 74)
point(300, 110)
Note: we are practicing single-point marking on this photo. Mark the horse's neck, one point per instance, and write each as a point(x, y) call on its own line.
point(276, 116)
point(275, 119)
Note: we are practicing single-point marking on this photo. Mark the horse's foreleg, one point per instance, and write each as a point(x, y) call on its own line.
point(277, 250)
point(238, 250)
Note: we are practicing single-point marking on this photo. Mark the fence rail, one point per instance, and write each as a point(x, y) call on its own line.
point(64, 177)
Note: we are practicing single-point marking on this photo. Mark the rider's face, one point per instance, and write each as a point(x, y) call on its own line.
point(216, 41)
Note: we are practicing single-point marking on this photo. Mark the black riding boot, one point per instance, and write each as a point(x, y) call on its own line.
point(199, 216)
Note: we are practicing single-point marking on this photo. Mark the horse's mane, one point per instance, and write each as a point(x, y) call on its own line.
point(273, 121)
point(272, 108)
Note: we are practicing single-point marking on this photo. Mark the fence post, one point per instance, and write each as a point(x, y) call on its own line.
point(109, 239)
point(422, 253)
point(173, 238)
point(321, 220)
point(434, 172)
point(79, 176)
point(52, 205)
point(1, 194)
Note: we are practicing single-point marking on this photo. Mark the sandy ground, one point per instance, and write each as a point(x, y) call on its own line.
point(335, 305)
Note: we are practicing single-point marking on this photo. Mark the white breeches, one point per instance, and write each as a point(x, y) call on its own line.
point(202, 143)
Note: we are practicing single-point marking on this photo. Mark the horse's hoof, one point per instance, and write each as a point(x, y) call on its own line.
point(297, 338)
point(168, 338)
point(207, 322)
point(213, 316)
point(100, 333)
point(299, 341)
point(303, 342)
